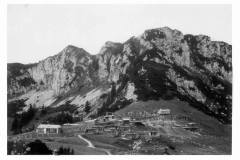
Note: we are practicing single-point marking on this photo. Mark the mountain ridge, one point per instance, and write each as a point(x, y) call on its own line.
point(160, 63)
point(201, 35)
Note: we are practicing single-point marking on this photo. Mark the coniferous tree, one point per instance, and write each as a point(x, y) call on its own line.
point(68, 151)
point(113, 92)
point(87, 107)
point(15, 125)
point(60, 150)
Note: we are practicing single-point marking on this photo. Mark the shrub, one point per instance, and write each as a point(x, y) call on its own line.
point(63, 117)
point(87, 107)
point(16, 147)
point(37, 148)
point(65, 151)
point(33, 148)
point(15, 106)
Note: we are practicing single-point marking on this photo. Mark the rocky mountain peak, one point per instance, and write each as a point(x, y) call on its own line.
point(110, 48)
point(161, 63)
point(162, 33)
point(111, 44)
point(71, 50)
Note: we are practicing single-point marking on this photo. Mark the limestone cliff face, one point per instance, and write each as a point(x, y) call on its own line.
point(66, 70)
point(160, 63)
point(62, 72)
point(107, 61)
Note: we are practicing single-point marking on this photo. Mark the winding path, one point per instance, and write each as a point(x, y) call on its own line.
point(90, 145)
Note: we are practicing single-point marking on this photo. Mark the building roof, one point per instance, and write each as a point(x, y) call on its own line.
point(164, 111)
point(126, 118)
point(71, 124)
point(49, 126)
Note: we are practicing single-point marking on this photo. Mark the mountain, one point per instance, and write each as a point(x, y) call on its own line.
point(161, 63)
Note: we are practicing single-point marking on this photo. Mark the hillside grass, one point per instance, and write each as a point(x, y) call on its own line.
point(210, 125)
point(213, 138)
point(114, 144)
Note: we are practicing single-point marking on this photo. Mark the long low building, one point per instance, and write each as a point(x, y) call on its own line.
point(48, 129)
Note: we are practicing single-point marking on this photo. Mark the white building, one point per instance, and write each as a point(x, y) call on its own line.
point(164, 111)
point(48, 129)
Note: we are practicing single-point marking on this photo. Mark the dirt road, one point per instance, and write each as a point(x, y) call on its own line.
point(90, 145)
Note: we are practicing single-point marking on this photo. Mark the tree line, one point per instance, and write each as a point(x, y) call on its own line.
point(22, 119)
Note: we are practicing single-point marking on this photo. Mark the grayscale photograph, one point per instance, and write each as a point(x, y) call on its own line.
point(119, 79)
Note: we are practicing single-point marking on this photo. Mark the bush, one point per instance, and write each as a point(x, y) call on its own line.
point(37, 148)
point(33, 148)
point(65, 151)
point(104, 95)
point(16, 147)
point(27, 81)
point(43, 110)
point(63, 117)
point(15, 106)
point(87, 107)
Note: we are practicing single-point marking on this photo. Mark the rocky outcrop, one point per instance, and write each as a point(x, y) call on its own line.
point(160, 63)
point(18, 79)
point(62, 72)
point(66, 70)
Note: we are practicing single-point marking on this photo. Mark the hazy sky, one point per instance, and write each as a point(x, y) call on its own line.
point(38, 31)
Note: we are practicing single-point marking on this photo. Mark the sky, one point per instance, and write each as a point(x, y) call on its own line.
point(35, 32)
